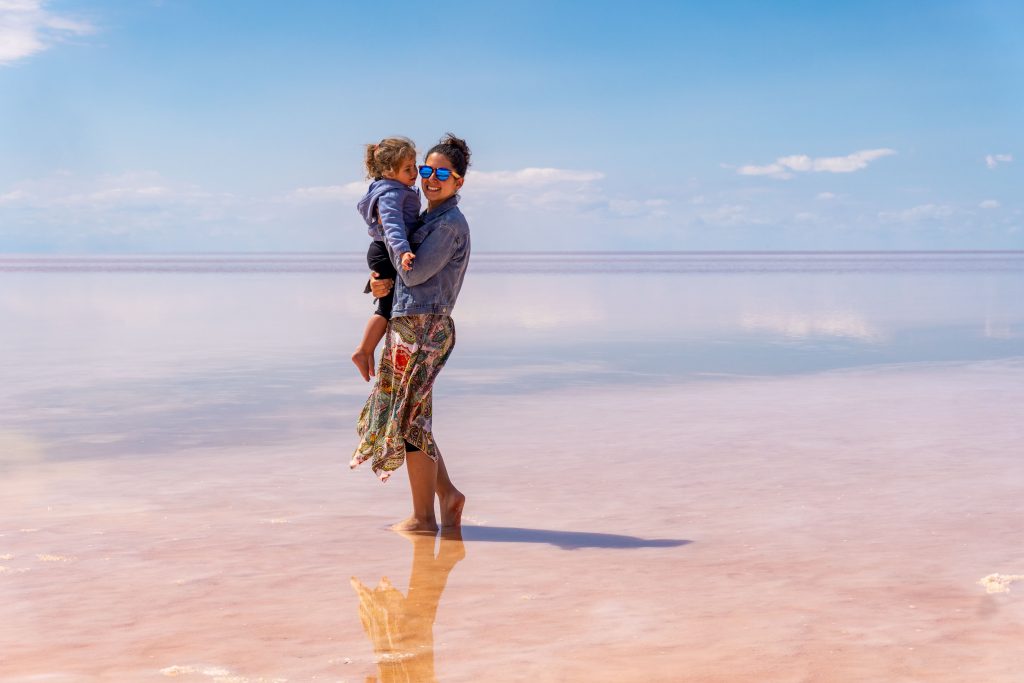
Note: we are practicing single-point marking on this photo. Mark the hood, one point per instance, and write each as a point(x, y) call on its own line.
point(367, 206)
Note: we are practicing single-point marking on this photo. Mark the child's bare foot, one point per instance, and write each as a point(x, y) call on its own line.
point(451, 508)
point(416, 526)
point(364, 363)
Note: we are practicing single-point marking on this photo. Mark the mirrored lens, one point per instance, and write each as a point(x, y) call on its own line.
point(442, 174)
point(426, 171)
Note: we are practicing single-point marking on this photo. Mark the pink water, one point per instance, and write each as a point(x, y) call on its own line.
point(180, 508)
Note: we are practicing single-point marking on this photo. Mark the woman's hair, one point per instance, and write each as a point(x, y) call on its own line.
point(455, 149)
point(387, 154)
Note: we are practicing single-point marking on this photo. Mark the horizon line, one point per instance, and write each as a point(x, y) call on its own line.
point(610, 252)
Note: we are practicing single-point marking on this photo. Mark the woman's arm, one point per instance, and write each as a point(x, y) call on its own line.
point(432, 255)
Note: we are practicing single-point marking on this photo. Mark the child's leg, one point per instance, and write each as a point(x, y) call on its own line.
point(374, 331)
point(379, 262)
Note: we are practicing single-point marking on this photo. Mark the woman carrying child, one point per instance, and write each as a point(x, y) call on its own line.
point(395, 423)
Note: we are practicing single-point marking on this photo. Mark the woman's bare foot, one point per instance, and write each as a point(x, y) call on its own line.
point(451, 508)
point(416, 526)
point(364, 363)
point(452, 550)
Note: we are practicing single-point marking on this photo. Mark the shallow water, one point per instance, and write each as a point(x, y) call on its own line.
point(680, 467)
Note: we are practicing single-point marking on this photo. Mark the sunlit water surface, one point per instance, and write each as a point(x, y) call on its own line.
point(679, 467)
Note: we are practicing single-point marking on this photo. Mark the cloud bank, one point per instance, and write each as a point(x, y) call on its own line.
point(511, 210)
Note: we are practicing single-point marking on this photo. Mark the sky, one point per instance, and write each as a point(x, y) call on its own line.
point(134, 126)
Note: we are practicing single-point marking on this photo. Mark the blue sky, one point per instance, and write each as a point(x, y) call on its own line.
point(131, 126)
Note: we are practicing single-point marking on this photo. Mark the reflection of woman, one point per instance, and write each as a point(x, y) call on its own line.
point(395, 424)
point(401, 628)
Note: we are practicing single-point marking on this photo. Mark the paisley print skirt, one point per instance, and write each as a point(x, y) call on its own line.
point(399, 410)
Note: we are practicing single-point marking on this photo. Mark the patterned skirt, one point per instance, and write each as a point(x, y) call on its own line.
point(398, 410)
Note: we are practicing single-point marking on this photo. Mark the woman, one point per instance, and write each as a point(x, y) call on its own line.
point(395, 424)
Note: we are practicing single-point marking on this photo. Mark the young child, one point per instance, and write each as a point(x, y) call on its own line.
point(391, 209)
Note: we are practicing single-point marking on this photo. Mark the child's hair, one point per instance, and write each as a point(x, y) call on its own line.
point(455, 149)
point(386, 155)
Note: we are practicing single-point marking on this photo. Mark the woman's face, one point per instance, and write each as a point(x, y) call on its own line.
point(435, 190)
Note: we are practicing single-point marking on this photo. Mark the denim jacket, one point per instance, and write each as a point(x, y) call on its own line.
point(442, 254)
point(398, 208)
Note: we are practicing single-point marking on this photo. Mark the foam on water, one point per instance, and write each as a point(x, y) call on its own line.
point(999, 583)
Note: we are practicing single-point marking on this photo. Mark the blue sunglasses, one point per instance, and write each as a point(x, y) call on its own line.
point(441, 173)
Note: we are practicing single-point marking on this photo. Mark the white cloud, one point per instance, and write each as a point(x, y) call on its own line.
point(774, 170)
point(784, 167)
point(13, 197)
point(551, 189)
point(990, 204)
point(993, 160)
point(136, 188)
point(728, 215)
point(349, 192)
point(531, 178)
point(637, 207)
point(826, 195)
point(27, 28)
point(851, 162)
point(917, 213)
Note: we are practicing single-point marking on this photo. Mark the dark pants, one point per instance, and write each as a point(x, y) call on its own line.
point(380, 262)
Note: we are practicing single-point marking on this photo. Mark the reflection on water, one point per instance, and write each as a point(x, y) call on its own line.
point(401, 627)
point(129, 355)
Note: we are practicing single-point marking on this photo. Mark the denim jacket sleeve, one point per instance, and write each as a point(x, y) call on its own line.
point(389, 206)
point(433, 254)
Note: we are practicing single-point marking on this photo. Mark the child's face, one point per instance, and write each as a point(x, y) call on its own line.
point(405, 172)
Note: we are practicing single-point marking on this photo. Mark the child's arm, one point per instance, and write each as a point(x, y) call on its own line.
point(389, 209)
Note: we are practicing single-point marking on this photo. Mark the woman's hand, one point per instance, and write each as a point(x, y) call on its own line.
point(380, 287)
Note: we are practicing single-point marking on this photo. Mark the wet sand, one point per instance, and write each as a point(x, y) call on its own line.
point(821, 527)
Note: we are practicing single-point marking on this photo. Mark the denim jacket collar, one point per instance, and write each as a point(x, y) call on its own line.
point(447, 204)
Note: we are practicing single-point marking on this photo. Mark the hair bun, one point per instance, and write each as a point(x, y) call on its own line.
point(455, 149)
point(457, 143)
